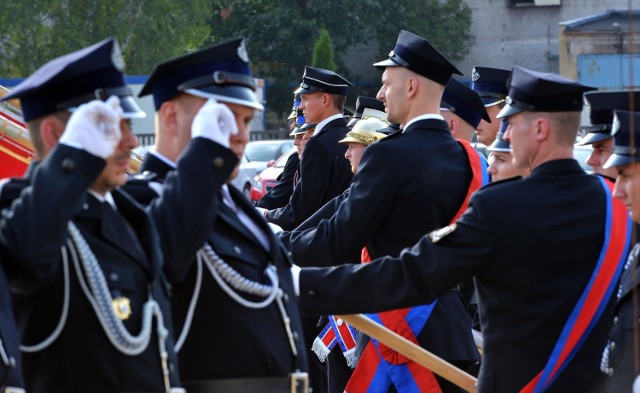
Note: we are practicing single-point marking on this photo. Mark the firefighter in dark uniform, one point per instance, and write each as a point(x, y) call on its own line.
point(279, 195)
point(491, 85)
point(600, 106)
point(95, 316)
point(620, 357)
point(531, 281)
point(407, 184)
point(235, 314)
point(324, 173)
point(462, 109)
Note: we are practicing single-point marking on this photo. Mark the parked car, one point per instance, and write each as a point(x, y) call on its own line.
point(265, 181)
point(261, 154)
point(245, 176)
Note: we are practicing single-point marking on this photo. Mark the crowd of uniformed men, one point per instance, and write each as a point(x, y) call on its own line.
point(171, 281)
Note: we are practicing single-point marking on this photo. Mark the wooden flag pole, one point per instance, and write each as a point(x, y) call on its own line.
point(412, 351)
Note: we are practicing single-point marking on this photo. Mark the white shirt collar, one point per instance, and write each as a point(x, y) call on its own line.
point(325, 122)
point(162, 158)
point(104, 198)
point(422, 117)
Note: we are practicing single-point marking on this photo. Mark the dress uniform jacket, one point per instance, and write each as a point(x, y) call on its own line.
point(82, 358)
point(279, 195)
point(621, 348)
point(324, 174)
point(11, 362)
point(528, 274)
point(227, 340)
point(407, 184)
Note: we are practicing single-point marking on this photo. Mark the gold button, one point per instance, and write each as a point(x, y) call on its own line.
point(218, 163)
point(311, 292)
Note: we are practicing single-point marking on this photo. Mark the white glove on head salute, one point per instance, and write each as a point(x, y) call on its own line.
point(95, 127)
point(214, 121)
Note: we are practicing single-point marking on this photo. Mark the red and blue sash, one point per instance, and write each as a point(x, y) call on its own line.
point(594, 299)
point(380, 366)
point(336, 332)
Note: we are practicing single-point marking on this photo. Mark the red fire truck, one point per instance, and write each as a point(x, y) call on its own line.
point(16, 149)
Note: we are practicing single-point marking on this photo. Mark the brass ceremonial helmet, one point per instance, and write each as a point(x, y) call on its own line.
point(365, 130)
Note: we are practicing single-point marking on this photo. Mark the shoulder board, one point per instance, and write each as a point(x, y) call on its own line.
point(10, 189)
point(144, 176)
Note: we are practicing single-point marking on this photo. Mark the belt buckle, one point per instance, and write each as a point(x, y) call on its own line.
point(11, 389)
point(299, 382)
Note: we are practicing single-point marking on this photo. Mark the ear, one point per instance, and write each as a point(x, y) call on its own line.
point(326, 100)
point(412, 87)
point(454, 126)
point(542, 129)
point(168, 115)
point(51, 129)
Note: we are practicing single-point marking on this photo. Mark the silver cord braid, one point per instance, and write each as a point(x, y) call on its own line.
point(98, 294)
point(227, 277)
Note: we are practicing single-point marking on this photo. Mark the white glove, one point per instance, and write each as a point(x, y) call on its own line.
point(215, 122)
point(95, 127)
point(295, 275)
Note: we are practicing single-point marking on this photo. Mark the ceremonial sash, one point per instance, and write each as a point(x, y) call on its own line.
point(336, 332)
point(592, 302)
point(380, 366)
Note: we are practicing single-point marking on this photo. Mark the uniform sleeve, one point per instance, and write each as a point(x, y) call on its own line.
point(418, 276)
point(315, 176)
point(186, 210)
point(279, 195)
point(33, 228)
point(372, 193)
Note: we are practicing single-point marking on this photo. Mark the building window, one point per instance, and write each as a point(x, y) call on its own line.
point(533, 3)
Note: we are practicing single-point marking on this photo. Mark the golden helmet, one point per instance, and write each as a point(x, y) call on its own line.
point(364, 131)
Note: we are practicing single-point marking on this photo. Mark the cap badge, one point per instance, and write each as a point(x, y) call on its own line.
point(438, 234)
point(242, 52)
point(475, 75)
point(116, 57)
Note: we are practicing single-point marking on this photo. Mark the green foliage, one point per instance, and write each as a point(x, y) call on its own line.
point(149, 31)
point(323, 52)
point(281, 33)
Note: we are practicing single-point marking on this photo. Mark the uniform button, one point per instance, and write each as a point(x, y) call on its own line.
point(613, 345)
point(295, 335)
point(286, 298)
point(172, 369)
point(289, 253)
point(339, 322)
point(237, 249)
point(311, 292)
point(113, 277)
point(85, 206)
point(615, 320)
point(218, 163)
point(68, 165)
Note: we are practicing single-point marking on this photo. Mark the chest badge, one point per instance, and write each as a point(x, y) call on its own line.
point(122, 307)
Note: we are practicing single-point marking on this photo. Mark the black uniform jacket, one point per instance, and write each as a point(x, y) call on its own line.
point(11, 365)
point(227, 340)
point(518, 238)
point(324, 174)
point(81, 358)
point(407, 184)
point(623, 349)
point(279, 195)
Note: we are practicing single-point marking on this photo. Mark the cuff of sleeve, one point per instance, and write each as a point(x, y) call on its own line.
point(295, 274)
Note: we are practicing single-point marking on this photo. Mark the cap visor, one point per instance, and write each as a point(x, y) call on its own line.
point(230, 94)
point(310, 90)
point(498, 145)
point(617, 160)
point(594, 137)
point(490, 101)
point(386, 63)
point(349, 140)
point(507, 111)
point(131, 109)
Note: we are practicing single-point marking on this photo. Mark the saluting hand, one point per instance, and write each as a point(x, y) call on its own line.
point(95, 127)
point(214, 121)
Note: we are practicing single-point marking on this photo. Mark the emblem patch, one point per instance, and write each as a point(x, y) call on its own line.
point(438, 234)
point(122, 307)
point(242, 52)
point(475, 75)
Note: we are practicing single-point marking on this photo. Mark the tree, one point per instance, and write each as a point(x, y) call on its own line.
point(149, 31)
point(323, 52)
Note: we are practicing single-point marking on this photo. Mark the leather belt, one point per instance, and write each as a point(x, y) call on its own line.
point(295, 383)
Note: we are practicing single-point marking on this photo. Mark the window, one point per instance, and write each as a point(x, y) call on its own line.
point(533, 3)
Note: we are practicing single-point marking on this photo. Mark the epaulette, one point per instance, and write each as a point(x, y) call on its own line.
point(11, 188)
point(143, 187)
point(144, 176)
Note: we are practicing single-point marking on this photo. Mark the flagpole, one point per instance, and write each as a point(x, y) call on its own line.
point(412, 351)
